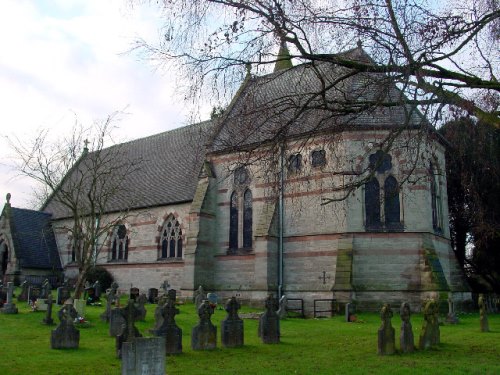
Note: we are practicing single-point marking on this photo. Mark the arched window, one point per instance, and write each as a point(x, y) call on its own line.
point(318, 158)
point(247, 219)
point(391, 201)
point(233, 221)
point(171, 239)
point(435, 198)
point(295, 163)
point(372, 203)
point(119, 243)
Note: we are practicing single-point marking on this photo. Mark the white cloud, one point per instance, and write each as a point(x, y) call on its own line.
point(64, 57)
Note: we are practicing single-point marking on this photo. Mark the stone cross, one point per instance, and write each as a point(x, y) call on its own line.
point(483, 316)
point(232, 326)
point(204, 335)
point(386, 342)
point(269, 322)
point(451, 317)
point(111, 296)
point(430, 335)
point(23, 296)
point(406, 339)
point(9, 307)
point(48, 316)
point(165, 286)
point(168, 327)
point(324, 277)
point(66, 336)
point(129, 332)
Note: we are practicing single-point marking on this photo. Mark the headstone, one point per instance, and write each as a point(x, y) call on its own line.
point(134, 293)
point(232, 327)
point(349, 312)
point(66, 336)
point(3, 295)
point(165, 286)
point(90, 296)
point(430, 335)
point(46, 289)
point(34, 292)
point(451, 318)
point(63, 293)
point(386, 343)
point(140, 304)
point(282, 313)
point(48, 317)
point(9, 307)
point(23, 296)
point(168, 327)
point(483, 315)
point(406, 340)
point(41, 304)
point(213, 298)
point(116, 322)
point(153, 295)
point(111, 297)
point(144, 356)
point(269, 322)
point(129, 332)
point(159, 313)
point(204, 335)
point(199, 297)
point(79, 305)
point(97, 289)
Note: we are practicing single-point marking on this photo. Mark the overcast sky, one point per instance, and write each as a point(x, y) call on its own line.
point(59, 58)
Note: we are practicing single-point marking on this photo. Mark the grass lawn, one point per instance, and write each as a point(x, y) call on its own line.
point(308, 346)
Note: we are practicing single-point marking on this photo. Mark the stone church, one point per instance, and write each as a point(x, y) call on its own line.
point(279, 195)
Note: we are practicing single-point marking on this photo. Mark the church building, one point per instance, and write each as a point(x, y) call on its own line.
point(281, 194)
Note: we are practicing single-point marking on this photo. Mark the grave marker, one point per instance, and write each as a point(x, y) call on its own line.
point(386, 342)
point(406, 339)
point(232, 334)
point(204, 335)
point(9, 307)
point(144, 356)
point(269, 322)
point(66, 336)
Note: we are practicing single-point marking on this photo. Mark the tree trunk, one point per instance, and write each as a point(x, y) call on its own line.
point(80, 283)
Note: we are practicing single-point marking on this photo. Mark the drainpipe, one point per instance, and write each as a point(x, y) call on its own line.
point(281, 221)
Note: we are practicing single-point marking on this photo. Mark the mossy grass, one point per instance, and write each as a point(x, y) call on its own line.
point(308, 346)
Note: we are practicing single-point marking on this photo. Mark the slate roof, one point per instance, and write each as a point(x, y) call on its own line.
point(167, 171)
point(33, 238)
point(285, 104)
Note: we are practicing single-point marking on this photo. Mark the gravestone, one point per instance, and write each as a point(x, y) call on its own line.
point(158, 313)
point(90, 295)
point(213, 298)
point(144, 356)
point(9, 307)
point(430, 335)
point(129, 332)
point(140, 304)
point(204, 335)
point(386, 342)
point(349, 312)
point(451, 318)
point(48, 316)
point(63, 293)
point(3, 295)
point(41, 304)
point(66, 336)
point(116, 322)
point(134, 293)
point(168, 327)
point(165, 286)
point(153, 295)
point(406, 339)
point(34, 293)
point(269, 322)
point(46, 289)
point(282, 313)
point(23, 296)
point(199, 297)
point(483, 315)
point(79, 305)
point(232, 327)
point(97, 290)
point(111, 297)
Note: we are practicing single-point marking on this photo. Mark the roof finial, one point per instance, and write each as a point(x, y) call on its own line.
point(7, 197)
point(283, 60)
point(360, 45)
point(86, 146)
point(248, 67)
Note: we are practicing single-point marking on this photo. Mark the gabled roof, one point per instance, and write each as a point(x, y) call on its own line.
point(167, 172)
point(33, 239)
point(286, 103)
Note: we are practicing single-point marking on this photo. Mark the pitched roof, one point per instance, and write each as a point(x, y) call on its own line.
point(167, 170)
point(286, 103)
point(33, 238)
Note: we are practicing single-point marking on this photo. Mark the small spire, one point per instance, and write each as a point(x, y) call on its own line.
point(284, 60)
point(360, 45)
point(248, 67)
point(7, 197)
point(85, 146)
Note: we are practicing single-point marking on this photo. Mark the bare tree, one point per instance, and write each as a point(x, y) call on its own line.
point(79, 180)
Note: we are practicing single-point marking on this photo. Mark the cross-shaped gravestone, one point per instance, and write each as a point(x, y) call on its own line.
point(130, 314)
point(168, 328)
point(232, 326)
point(48, 316)
point(269, 322)
point(9, 307)
point(204, 335)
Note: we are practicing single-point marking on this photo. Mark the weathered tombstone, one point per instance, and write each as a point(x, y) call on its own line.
point(140, 304)
point(134, 293)
point(349, 312)
point(116, 322)
point(232, 327)
point(34, 292)
point(97, 290)
point(46, 289)
point(48, 317)
point(199, 297)
point(90, 295)
point(282, 313)
point(165, 287)
point(429, 336)
point(386, 343)
point(144, 356)
point(3, 295)
point(159, 313)
point(269, 322)
point(63, 293)
point(66, 336)
point(406, 340)
point(483, 316)
point(41, 304)
point(213, 298)
point(23, 296)
point(204, 335)
point(168, 327)
point(129, 332)
point(79, 305)
point(153, 295)
point(451, 318)
point(111, 297)
point(9, 307)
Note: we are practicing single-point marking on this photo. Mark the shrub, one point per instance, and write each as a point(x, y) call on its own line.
point(102, 274)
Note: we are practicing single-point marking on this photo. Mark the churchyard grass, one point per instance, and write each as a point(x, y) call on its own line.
point(308, 346)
